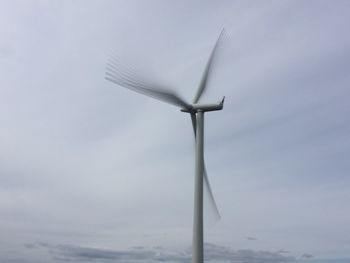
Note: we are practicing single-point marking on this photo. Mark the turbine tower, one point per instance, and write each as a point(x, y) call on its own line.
point(127, 79)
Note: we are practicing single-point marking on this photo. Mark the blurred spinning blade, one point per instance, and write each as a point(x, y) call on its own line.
point(212, 207)
point(124, 77)
point(209, 67)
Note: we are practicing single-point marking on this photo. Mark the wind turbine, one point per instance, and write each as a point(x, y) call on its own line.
point(126, 79)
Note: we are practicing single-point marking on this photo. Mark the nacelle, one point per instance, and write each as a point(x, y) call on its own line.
point(206, 107)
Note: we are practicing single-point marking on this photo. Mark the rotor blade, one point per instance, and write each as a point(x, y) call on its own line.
point(194, 124)
point(116, 66)
point(125, 78)
point(207, 189)
point(203, 84)
point(206, 184)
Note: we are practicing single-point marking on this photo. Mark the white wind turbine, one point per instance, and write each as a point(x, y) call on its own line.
point(125, 78)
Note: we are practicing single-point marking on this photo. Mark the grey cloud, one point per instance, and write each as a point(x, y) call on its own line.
point(30, 246)
point(306, 255)
point(6, 51)
point(213, 253)
point(251, 238)
point(282, 251)
point(78, 253)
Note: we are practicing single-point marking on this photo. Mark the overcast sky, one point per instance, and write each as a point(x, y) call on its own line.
point(90, 171)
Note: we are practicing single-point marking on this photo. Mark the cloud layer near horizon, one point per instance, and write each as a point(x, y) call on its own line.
point(213, 253)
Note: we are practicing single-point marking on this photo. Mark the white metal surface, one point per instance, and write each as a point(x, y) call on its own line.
point(197, 242)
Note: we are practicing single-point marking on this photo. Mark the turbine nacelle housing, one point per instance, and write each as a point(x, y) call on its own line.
point(203, 107)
